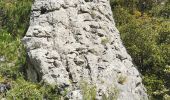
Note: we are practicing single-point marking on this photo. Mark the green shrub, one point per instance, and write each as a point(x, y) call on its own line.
point(24, 90)
point(15, 18)
point(13, 53)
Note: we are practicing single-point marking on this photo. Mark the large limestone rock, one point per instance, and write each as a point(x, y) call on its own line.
point(74, 41)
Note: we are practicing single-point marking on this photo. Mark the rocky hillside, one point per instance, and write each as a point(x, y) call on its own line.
point(75, 45)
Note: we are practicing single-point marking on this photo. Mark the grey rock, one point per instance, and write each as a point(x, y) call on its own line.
point(4, 87)
point(73, 41)
point(2, 58)
point(75, 95)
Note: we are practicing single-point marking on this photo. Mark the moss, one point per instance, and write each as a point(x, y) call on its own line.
point(104, 40)
point(93, 14)
point(122, 79)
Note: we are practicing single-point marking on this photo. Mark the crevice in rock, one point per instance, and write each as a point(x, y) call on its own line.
point(121, 57)
point(45, 36)
point(68, 70)
point(88, 67)
point(88, 0)
point(137, 84)
point(43, 10)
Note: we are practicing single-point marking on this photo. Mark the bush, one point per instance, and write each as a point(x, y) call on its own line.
point(15, 15)
point(24, 90)
point(13, 54)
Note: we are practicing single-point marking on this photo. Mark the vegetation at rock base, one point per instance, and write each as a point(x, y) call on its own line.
point(14, 18)
point(144, 26)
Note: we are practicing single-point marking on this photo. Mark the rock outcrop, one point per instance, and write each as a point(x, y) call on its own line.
point(74, 41)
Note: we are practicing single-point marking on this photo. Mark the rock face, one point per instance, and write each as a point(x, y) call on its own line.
point(74, 41)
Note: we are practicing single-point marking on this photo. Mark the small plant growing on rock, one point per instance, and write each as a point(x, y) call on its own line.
point(93, 14)
point(88, 91)
point(104, 40)
point(122, 79)
point(113, 94)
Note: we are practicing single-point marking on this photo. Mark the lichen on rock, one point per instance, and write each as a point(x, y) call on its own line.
point(70, 41)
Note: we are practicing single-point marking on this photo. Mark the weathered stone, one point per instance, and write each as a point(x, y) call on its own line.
point(4, 87)
point(74, 41)
point(2, 58)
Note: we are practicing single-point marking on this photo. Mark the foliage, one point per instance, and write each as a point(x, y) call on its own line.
point(165, 12)
point(14, 15)
point(13, 54)
point(146, 36)
point(23, 90)
point(14, 19)
point(88, 91)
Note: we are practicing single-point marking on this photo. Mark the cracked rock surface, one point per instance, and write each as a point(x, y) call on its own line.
point(74, 41)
